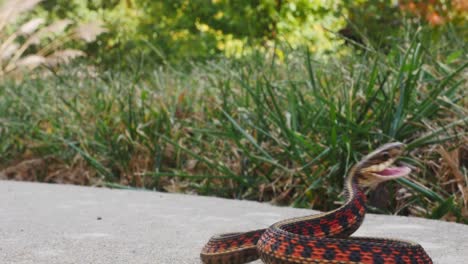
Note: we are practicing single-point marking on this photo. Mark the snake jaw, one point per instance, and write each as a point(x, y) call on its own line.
point(386, 171)
point(392, 172)
point(389, 173)
point(371, 177)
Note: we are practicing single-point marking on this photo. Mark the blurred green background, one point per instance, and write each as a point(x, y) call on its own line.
point(200, 29)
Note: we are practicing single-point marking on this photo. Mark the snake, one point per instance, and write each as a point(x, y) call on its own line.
point(326, 237)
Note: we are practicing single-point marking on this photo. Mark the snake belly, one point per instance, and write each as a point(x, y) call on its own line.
point(322, 238)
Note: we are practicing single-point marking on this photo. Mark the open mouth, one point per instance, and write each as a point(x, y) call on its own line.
point(387, 170)
point(393, 172)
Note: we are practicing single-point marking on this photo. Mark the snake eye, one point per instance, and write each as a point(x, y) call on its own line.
point(386, 155)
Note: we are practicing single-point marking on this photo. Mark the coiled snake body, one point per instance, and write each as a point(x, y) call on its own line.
point(325, 238)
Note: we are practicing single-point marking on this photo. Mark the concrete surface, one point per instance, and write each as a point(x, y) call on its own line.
point(41, 223)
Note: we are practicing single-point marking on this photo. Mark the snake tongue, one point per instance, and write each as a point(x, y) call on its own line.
point(394, 172)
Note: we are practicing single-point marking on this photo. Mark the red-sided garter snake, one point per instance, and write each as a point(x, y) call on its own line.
point(325, 238)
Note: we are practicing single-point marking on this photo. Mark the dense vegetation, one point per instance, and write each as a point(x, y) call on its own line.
point(281, 123)
point(170, 30)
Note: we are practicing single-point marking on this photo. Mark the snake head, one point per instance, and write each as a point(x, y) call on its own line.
point(378, 166)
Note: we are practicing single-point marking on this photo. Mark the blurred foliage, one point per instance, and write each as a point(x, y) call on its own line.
point(252, 128)
point(27, 42)
point(380, 23)
point(169, 30)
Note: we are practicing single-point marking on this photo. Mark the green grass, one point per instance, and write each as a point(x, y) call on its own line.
point(255, 128)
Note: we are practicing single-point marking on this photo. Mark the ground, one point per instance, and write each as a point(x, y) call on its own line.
point(46, 223)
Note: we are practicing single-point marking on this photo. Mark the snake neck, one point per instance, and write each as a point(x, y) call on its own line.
point(353, 192)
point(340, 222)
